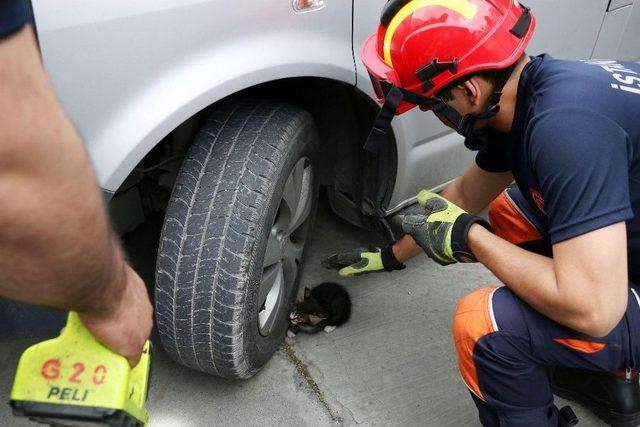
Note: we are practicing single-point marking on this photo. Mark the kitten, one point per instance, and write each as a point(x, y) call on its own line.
point(326, 306)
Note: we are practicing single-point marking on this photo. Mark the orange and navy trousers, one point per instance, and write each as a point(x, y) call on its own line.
point(505, 347)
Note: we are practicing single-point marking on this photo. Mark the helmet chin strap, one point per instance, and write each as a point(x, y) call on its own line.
point(465, 125)
point(374, 189)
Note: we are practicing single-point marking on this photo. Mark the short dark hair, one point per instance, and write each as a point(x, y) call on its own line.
point(491, 76)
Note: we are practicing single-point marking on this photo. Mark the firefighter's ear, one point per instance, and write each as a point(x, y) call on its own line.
point(473, 90)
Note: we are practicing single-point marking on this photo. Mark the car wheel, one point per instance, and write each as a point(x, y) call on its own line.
point(234, 235)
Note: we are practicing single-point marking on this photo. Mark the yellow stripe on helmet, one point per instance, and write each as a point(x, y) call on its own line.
point(463, 7)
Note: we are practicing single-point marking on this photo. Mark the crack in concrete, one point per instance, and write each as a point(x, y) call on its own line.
point(311, 384)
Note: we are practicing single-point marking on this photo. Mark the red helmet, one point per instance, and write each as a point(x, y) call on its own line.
point(423, 45)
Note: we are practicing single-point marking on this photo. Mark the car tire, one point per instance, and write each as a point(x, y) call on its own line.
point(234, 235)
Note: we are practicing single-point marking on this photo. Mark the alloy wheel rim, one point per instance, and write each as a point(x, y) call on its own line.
point(286, 241)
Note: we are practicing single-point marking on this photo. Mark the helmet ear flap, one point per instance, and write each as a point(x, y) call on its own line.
point(391, 9)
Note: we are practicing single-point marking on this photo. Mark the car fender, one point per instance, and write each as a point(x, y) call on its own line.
point(128, 73)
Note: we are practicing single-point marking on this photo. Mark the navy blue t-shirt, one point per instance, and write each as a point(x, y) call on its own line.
point(574, 147)
point(13, 15)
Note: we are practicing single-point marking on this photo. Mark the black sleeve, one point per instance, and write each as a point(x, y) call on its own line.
point(580, 160)
point(13, 15)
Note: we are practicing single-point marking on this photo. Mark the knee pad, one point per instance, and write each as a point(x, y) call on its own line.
point(473, 319)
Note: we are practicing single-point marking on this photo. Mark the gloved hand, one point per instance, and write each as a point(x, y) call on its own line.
point(363, 261)
point(442, 233)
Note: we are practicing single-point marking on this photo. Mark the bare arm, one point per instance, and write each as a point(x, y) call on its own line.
point(583, 287)
point(52, 211)
point(472, 191)
point(56, 244)
point(476, 188)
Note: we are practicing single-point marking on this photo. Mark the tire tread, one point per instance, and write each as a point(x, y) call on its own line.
point(210, 227)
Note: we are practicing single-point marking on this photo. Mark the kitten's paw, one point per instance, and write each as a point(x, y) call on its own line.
point(329, 329)
point(290, 333)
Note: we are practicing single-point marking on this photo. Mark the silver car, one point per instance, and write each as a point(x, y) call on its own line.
point(227, 117)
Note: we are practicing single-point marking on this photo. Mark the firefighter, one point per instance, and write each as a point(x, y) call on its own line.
point(564, 240)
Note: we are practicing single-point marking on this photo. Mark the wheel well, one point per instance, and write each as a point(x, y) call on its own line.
point(343, 115)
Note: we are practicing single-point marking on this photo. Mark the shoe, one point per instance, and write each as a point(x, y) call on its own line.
point(566, 417)
point(613, 399)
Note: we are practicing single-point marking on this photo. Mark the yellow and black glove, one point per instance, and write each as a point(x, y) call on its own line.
point(363, 261)
point(442, 231)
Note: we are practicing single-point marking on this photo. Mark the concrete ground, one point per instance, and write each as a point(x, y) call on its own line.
point(392, 364)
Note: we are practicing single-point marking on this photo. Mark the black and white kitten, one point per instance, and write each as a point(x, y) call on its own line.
point(324, 307)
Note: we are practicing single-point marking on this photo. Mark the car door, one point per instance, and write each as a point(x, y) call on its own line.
point(567, 29)
point(620, 34)
point(429, 154)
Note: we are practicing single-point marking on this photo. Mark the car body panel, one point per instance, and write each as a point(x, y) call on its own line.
point(620, 32)
point(128, 73)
